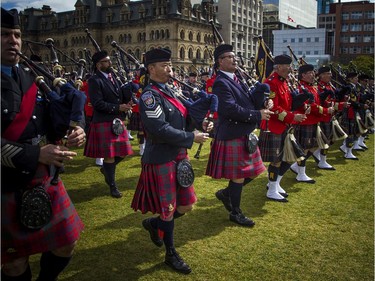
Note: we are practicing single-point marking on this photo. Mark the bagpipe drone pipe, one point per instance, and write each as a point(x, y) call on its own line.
point(198, 109)
point(66, 107)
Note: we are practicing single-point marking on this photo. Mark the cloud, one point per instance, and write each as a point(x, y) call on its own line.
point(56, 6)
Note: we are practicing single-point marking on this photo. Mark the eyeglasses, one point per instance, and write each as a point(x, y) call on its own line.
point(229, 56)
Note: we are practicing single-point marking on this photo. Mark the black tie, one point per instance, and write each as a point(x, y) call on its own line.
point(15, 75)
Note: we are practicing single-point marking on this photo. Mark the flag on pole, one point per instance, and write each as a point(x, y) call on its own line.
point(291, 19)
point(263, 61)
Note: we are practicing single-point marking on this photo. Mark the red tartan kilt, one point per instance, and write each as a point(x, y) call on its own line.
point(271, 146)
point(229, 159)
point(102, 143)
point(135, 123)
point(306, 135)
point(157, 190)
point(63, 229)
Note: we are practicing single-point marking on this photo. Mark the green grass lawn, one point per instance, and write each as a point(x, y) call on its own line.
point(325, 232)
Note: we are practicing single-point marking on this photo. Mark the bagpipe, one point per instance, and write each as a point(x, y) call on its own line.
point(128, 89)
point(57, 69)
point(292, 151)
point(66, 107)
point(199, 108)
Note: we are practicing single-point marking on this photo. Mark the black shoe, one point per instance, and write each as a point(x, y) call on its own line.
point(104, 174)
point(173, 259)
point(237, 217)
point(225, 199)
point(284, 194)
point(153, 232)
point(115, 192)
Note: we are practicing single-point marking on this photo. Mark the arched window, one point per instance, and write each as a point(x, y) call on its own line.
point(198, 54)
point(199, 37)
point(182, 34)
point(190, 55)
point(152, 35)
point(190, 36)
point(182, 53)
point(167, 34)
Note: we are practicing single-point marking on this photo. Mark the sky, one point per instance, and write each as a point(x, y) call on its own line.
point(57, 6)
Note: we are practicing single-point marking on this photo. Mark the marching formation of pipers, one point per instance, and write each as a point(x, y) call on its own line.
point(298, 112)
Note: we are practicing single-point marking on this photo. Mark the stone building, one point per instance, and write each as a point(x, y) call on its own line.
point(135, 26)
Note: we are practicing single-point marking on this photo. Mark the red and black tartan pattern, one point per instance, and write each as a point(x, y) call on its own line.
point(135, 123)
point(157, 190)
point(306, 135)
point(271, 146)
point(327, 129)
point(102, 143)
point(63, 229)
point(229, 159)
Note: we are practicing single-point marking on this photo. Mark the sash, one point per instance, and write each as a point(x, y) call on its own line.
point(173, 101)
point(19, 123)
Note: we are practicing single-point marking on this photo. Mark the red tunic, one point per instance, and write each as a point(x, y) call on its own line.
point(317, 112)
point(282, 105)
point(330, 100)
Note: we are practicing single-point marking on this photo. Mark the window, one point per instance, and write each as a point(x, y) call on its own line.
point(356, 15)
point(368, 38)
point(344, 39)
point(308, 39)
point(344, 50)
point(355, 39)
point(300, 40)
point(285, 41)
point(345, 27)
point(368, 50)
point(368, 27)
point(316, 52)
point(369, 14)
point(316, 39)
point(345, 16)
point(307, 52)
point(292, 40)
point(354, 50)
point(355, 27)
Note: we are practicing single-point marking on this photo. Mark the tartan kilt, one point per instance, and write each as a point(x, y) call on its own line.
point(271, 146)
point(63, 229)
point(326, 129)
point(229, 159)
point(102, 143)
point(349, 125)
point(306, 135)
point(135, 123)
point(157, 190)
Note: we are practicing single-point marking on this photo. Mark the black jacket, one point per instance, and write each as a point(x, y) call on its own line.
point(166, 128)
point(19, 159)
point(105, 98)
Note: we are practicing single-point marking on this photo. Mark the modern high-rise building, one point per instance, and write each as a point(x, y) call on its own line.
point(241, 22)
point(350, 30)
point(323, 6)
point(287, 14)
